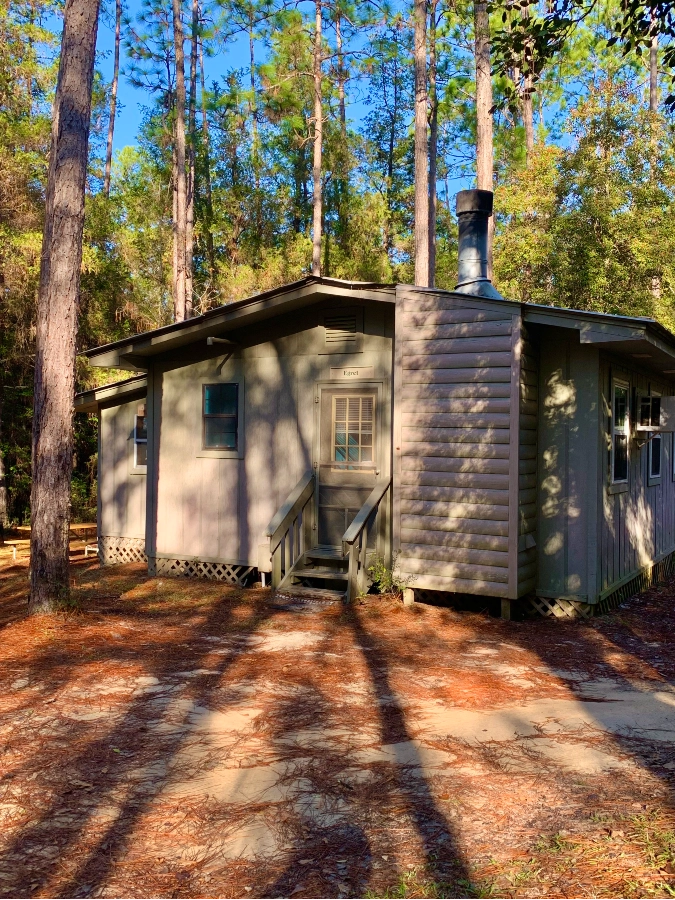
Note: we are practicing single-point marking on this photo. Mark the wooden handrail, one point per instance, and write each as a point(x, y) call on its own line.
point(355, 540)
point(297, 499)
point(364, 514)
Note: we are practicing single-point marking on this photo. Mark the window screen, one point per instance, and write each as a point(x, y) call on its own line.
point(220, 415)
point(140, 438)
point(620, 433)
point(655, 456)
point(650, 415)
point(353, 419)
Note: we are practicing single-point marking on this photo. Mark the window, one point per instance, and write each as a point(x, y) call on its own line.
point(353, 420)
point(220, 406)
point(620, 433)
point(650, 417)
point(140, 438)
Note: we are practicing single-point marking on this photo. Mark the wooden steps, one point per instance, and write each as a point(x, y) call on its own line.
point(318, 569)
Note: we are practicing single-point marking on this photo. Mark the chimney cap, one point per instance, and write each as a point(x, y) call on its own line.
point(474, 201)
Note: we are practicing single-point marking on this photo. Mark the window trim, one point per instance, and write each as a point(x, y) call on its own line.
point(137, 468)
point(202, 452)
point(619, 482)
point(654, 479)
point(235, 415)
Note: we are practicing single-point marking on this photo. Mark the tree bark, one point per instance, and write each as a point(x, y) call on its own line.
point(4, 505)
point(56, 333)
point(421, 148)
point(433, 142)
point(113, 98)
point(253, 106)
point(484, 139)
point(341, 76)
point(654, 74)
point(210, 252)
point(527, 101)
point(180, 182)
point(318, 147)
point(191, 184)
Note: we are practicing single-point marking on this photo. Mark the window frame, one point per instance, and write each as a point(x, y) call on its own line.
point(200, 452)
point(354, 465)
point(622, 385)
point(140, 468)
point(235, 416)
point(654, 478)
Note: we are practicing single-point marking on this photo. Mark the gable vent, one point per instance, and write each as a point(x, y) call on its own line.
point(340, 328)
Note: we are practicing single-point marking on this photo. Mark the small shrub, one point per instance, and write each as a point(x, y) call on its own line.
point(388, 580)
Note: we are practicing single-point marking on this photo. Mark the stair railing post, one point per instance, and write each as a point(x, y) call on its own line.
point(307, 528)
point(276, 566)
point(353, 573)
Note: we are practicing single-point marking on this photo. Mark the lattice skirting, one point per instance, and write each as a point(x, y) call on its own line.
point(574, 609)
point(112, 550)
point(194, 568)
point(560, 608)
point(660, 571)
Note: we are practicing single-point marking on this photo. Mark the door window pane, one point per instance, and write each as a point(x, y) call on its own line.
point(353, 430)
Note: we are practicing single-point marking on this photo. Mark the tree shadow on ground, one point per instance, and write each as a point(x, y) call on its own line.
point(113, 759)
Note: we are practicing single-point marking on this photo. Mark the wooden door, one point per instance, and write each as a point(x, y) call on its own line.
point(348, 457)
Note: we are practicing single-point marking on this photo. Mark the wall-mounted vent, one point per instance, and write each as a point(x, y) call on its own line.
point(341, 328)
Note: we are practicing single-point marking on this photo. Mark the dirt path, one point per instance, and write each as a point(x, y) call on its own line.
point(182, 738)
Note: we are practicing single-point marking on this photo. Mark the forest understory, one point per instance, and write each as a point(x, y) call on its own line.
point(176, 738)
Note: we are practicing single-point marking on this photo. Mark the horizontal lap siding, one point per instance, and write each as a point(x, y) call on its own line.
point(453, 396)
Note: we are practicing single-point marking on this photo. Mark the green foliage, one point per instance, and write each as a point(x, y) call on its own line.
point(590, 227)
point(388, 580)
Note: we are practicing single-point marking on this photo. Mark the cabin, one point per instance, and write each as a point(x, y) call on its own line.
point(485, 447)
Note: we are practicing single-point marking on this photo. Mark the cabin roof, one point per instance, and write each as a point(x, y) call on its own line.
point(643, 340)
point(131, 353)
point(118, 392)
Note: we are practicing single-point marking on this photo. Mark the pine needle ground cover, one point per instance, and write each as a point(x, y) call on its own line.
point(179, 738)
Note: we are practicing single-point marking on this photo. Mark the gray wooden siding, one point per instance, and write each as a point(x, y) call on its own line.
point(568, 477)
point(122, 491)
point(216, 507)
point(453, 454)
point(527, 468)
point(637, 523)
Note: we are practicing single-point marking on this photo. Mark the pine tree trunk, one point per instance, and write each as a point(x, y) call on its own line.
point(343, 150)
point(56, 332)
point(180, 182)
point(318, 147)
point(210, 252)
point(190, 186)
point(654, 74)
point(4, 505)
point(527, 99)
point(253, 106)
point(433, 142)
point(113, 98)
point(421, 148)
point(484, 140)
point(341, 77)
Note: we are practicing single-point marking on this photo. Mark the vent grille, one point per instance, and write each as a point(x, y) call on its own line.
point(340, 328)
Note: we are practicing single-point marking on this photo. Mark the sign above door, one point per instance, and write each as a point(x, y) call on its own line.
point(352, 372)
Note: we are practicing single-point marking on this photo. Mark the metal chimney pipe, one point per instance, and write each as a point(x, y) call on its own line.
point(474, 209)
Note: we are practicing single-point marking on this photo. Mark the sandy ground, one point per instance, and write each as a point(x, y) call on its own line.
point(179, 738)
